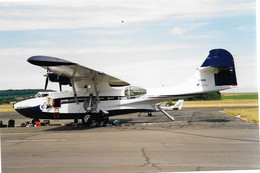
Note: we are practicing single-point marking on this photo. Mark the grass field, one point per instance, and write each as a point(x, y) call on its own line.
point(239, 96)
point(250, 114)
point(222, 103)
point(230, 101)
point(6, 108)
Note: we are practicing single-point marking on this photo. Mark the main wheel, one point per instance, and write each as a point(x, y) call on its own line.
point(87, 120)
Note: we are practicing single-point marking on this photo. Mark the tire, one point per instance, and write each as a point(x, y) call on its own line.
point(87, 120)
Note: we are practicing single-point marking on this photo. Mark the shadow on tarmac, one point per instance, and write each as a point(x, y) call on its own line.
point(123, 122)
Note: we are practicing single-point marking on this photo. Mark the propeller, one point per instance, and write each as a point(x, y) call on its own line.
point(47, 80)
point(62, 80)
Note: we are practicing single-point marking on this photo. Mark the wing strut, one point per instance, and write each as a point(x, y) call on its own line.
point(96, 91)
point(165, 113)
point(73, 85)
point(74, 91)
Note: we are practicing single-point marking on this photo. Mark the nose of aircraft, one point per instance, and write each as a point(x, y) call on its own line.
point(21, 105)
point(28, 108)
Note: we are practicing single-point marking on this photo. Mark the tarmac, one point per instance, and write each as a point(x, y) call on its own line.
point(200, 139)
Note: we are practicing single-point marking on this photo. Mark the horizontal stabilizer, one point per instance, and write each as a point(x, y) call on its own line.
point(178, 105)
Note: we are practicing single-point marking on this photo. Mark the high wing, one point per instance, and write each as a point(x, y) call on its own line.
point(74, 71)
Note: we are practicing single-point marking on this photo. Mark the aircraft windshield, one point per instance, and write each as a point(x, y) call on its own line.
point(134, 91)
point(41, 94)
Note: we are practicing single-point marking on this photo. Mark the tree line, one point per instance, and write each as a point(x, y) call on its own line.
point(8, 96)
point(209, 96)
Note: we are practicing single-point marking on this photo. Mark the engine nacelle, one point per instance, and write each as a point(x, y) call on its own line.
point(63, 80)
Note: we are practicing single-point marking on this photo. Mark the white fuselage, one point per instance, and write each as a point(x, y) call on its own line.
point(43, 107)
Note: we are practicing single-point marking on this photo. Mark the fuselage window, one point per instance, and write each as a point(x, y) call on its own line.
point(133, 91)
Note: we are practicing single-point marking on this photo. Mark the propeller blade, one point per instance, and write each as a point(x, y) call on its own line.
point(60, 86)
point(46, 83)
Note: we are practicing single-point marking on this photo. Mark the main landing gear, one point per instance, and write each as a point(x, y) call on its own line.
point(99, 119)
point(92, 117)
point(87, 119)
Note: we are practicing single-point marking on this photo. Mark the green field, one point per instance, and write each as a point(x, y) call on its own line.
point(240, 96)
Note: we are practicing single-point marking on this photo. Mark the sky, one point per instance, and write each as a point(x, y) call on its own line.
point(148, 43)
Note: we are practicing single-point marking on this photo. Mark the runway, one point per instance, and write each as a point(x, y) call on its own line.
point(200, 139)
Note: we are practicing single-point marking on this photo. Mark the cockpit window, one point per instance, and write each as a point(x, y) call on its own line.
point(134, 91)
point(38, 95)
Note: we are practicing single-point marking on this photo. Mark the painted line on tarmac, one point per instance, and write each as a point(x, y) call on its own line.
point(157, 123)
point(36, 140)
point(10, 134)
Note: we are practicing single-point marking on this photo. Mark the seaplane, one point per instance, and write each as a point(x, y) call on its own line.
point(95, 96)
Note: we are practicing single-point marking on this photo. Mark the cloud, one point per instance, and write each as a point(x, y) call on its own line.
point(189, 36)
point(37, 15)
point(108, 32)
point(177, 31)
point(138, 68)
point(39, 43)
point(112, 48)
point(114, 42)
point(245, 29)
point(101, 58)
point(182, 32)
point(197, 25)
point(106, 44)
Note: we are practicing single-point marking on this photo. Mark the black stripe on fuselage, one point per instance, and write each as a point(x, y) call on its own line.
point(101, 98)
point(45, 115)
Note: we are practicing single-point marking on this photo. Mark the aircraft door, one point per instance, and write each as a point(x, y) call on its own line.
point(57, 103)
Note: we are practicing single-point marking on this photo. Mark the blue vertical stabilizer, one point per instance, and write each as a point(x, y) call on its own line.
point(224, 62)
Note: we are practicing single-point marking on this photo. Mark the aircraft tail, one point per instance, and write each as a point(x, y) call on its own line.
point(178, 105)
point(215, 74)
point(224, 68)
